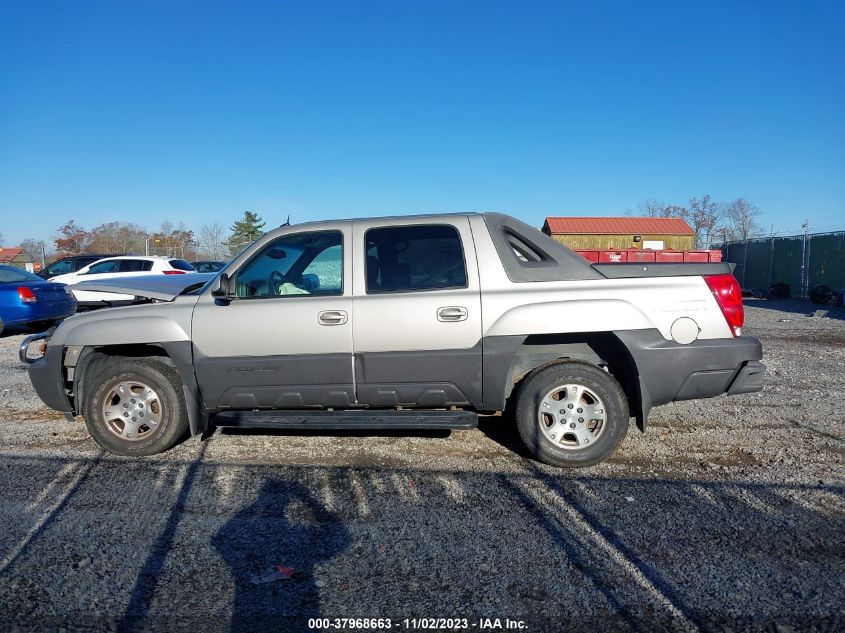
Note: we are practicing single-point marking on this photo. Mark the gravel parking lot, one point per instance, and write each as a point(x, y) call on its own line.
point(728, 514)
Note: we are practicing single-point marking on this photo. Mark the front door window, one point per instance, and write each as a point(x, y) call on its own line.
point(300, 264)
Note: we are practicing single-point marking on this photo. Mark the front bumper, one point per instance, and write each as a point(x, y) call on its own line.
point(46, 376)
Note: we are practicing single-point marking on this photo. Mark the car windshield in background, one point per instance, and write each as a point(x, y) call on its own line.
point(9, 274)
point(208, 267)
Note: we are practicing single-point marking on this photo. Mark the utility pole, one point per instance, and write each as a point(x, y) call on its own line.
point(771, 252)
point(806, 227)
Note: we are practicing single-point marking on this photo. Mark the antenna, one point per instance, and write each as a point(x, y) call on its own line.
point(287, 222)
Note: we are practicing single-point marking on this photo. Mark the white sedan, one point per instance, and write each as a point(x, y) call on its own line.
point(120, 267)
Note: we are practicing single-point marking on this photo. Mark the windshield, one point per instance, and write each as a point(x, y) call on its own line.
point(9, 274)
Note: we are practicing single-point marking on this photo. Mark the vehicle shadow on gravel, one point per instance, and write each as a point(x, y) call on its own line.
point(9, 332)
point(285, 533)
point(501, 429)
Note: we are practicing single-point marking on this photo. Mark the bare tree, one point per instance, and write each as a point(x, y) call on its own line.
point(1, 239)
point(211, 240)
point(742, 217)
point(703, 213)
point(653, 208)
point(32, 249)
point(173, 240)
point(116, 237)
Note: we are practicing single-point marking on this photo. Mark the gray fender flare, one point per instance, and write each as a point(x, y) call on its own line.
point(179, 355)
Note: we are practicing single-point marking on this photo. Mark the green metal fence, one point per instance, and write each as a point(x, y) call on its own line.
point(802, 261)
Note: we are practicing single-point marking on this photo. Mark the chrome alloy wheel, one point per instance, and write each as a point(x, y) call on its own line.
point(571, 416)
point(132, 410)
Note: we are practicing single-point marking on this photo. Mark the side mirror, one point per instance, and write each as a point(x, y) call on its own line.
point(220, 286)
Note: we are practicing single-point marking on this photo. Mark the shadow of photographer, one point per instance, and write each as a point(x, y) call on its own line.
point(286, 526)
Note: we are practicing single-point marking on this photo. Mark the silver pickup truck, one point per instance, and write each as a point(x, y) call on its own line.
point(403, 322)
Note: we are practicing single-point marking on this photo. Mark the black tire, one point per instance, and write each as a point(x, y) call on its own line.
point(168, 406)
point(568, 449)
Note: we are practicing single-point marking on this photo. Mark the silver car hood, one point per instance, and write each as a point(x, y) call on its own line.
point(161, 287)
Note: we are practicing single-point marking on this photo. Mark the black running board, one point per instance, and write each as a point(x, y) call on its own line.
point(356, 419)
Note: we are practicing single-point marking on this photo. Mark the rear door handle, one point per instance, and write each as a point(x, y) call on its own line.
point(452, 313)
point(332, 317)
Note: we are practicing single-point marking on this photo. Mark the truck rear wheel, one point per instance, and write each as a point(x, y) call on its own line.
point(571, 414)
point(135, 407)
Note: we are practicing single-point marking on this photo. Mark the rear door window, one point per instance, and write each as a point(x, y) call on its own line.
point(135, 265)
point(108, 266)
point(82, 262)
point(412, 258)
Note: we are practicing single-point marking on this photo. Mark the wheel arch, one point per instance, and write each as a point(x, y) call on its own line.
point(176, 354)
point(513, 359)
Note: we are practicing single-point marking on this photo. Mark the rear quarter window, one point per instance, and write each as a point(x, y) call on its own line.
point(529, 255)
point(181, 264)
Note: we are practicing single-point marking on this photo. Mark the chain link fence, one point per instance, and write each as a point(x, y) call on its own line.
point(801, 261)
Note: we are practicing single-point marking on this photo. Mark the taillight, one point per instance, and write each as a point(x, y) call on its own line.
point(26, 295)
point(174, 272)
point(729, 297)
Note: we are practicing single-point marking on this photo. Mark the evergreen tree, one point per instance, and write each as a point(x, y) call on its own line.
point(245, 231)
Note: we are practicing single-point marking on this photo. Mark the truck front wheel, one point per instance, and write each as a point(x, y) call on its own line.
point(571, 413)
point(136, 407)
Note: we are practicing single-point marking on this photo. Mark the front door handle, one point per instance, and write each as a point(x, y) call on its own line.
point(452, 313)
point(332, 317)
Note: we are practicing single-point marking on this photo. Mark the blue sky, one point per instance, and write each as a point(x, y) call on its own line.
point(151, 111)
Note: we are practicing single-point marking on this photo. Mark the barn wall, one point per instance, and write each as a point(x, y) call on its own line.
point(596, 242)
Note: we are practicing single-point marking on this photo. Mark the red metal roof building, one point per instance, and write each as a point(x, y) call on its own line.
point(10, 255)
point(621, 232)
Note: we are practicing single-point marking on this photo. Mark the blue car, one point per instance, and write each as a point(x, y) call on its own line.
point(28, 300)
